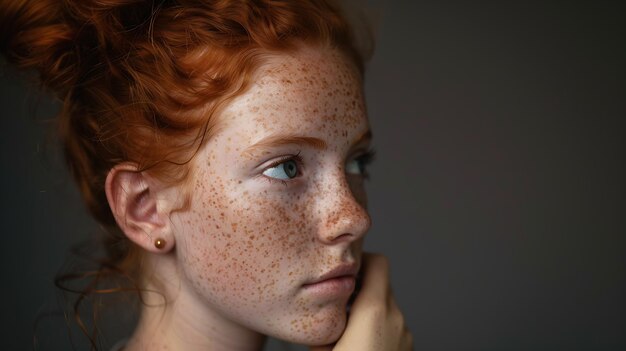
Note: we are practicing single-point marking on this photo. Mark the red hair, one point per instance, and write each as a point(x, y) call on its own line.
point(142, 81)
point(133, 74)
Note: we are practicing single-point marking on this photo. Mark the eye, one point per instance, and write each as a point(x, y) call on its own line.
point(284, 170)
point(358, 165)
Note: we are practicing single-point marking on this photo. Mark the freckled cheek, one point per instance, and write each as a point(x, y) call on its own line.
point(285, 226)
point(249, 243)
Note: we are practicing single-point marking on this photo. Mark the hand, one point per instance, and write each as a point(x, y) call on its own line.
point(375, 322)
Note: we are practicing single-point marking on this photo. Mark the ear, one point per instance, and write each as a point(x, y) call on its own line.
point(132, 196)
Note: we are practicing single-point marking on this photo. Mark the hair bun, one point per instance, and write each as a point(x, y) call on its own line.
point(34, 35)
point(57, 37)
point(114, 22)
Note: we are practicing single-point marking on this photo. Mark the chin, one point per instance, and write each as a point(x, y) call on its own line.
point(323, 328)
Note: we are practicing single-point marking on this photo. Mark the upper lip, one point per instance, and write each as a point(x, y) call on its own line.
point(343, 270)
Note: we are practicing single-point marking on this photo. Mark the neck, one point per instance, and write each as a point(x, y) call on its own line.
point(175, 318)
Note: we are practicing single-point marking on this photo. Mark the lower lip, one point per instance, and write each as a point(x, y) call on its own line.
point(335, 287)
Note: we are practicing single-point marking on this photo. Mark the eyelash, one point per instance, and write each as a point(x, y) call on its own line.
point(295, 157)
point(365, 159)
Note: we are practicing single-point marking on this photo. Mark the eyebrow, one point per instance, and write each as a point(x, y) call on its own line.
point(277, 140)
point(282, 139)
point(367, 135)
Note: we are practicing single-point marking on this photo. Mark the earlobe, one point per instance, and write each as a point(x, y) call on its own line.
point(132, 196)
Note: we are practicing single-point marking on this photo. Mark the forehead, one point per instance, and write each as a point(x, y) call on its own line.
point(313, 92)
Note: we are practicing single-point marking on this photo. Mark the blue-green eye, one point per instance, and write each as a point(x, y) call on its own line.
point(358, 166)
point(354, 167)
point(285, 170)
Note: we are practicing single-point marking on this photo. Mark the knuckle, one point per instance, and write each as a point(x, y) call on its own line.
point(398, 319)
point(401, 320)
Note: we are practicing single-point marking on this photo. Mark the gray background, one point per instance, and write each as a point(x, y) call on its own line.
point(498, 192)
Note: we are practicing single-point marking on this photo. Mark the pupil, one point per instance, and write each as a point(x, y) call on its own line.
point(290, 169)
point(361, 166)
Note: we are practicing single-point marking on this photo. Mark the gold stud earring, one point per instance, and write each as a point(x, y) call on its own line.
point(159, 243)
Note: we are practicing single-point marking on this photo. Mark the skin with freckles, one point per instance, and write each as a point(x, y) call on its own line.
point(277, 201)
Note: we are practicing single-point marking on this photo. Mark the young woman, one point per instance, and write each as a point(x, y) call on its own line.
point(223, 144)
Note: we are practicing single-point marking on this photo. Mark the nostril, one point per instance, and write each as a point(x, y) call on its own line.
point(343, 217)
point(348, 223)
point(341, 237)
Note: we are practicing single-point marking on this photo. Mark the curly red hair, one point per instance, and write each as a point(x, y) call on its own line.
point(133, 75)
point(142, 81)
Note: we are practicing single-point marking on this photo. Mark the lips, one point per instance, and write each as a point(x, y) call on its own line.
point(339, 281)
point(348, 269)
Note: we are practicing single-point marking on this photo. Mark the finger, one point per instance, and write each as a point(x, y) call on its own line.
point(407, 341)
point(370, 305)
point(375, 283)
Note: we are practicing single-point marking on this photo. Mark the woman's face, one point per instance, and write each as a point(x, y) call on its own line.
point(278, 201)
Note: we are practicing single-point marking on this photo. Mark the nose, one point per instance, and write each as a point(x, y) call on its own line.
point(343, 218)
